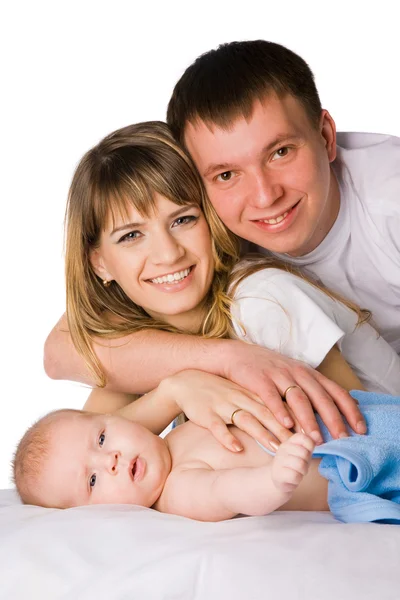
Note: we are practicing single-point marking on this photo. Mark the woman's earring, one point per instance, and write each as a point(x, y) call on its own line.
point(106, 283)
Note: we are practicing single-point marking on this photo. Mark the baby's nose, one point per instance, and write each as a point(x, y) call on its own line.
point(112, 461)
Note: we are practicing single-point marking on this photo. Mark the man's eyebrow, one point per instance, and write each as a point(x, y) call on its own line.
point(221, 167)
point(172, 215)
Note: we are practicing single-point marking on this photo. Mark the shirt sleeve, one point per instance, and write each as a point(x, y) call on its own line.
point(282, 312)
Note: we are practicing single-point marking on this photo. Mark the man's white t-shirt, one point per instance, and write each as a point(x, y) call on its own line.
point(283, 312)
point(360, 256)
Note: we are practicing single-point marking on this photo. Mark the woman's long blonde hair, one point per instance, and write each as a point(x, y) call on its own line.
point(127, 168)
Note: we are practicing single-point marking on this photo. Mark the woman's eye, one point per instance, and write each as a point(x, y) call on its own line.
point(102, 438)
point(281, 152)
point(132, 235)
point(92, 480)
point(225, 176)
point(184, 220)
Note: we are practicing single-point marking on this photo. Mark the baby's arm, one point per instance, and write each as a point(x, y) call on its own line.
point(199, 492)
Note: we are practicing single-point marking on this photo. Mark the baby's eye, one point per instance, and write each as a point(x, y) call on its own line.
point(184, 220)
point(102, 438)
point(225, 176)
point(132, 235)
point(92, 480)
point(281, 152)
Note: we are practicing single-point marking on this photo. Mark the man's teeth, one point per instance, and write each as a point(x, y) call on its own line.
point(277, 220)
point(172, 277)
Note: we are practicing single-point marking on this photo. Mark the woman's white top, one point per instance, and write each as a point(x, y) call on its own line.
point(283, 312)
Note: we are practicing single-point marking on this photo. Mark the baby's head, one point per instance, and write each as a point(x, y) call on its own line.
point(72, 458)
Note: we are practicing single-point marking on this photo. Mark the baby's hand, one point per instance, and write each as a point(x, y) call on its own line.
point(291, 462)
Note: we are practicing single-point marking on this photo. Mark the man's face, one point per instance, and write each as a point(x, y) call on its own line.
point(269, 176)
point(103, 459)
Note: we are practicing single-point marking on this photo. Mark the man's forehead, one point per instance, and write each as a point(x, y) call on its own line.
point(269, 103)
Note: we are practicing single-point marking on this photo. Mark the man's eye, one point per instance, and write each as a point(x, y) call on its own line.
point(102, 438)
point(225, 176)
point(281, 152)
point(132, 235)
point(184, 220)
point(92, 480)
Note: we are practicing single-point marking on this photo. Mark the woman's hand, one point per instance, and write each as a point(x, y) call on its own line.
point(210, 401)
point(269, 374)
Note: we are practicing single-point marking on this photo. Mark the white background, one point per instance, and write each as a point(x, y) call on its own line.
point(74, 71)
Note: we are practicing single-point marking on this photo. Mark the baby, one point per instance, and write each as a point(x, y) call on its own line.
point(72, 458)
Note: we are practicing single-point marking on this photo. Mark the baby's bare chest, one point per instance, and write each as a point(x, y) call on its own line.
point(190, 443)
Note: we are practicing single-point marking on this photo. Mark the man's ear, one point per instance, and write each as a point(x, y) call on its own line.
point(97, 262)
point(327, 129)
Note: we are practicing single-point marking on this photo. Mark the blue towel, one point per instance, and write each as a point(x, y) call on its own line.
point(364, 470)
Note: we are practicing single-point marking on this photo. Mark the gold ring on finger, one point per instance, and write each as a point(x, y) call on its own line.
point(288, 390)
point(233, 415)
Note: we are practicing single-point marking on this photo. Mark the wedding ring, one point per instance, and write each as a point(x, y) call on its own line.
point(233, 415)
point(291, 387)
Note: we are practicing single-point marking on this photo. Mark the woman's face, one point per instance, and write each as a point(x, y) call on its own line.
point(164, 262)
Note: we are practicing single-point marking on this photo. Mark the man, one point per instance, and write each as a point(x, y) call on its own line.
point(250, 116)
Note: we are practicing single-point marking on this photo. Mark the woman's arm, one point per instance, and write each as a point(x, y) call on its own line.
point(338, 369)
point(208, 401)
point(105, 401)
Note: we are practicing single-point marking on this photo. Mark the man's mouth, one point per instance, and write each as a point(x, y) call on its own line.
point(278, 218)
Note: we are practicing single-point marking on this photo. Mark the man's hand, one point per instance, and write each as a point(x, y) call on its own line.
point(269, 374)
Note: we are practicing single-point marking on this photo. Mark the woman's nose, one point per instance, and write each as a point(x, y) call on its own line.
point(167, 250)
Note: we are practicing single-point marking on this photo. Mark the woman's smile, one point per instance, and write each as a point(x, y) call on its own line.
point(163, 262)
point(173, 282)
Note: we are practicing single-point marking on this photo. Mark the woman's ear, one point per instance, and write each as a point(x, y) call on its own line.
point(97, 262)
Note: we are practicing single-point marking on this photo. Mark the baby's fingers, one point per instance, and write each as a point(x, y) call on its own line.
point(301, 441)
point(297, 464)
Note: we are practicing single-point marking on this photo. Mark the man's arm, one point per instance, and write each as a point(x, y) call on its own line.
point(135, 363)
point(138, 362)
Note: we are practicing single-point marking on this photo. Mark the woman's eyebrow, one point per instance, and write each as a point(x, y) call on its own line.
point(175, 213)
point(126, 226)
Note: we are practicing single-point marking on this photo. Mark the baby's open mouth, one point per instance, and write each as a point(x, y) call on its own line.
point(133, 468)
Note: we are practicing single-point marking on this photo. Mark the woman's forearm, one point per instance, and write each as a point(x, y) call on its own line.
point(154, 410)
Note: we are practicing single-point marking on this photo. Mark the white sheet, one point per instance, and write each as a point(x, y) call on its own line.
point(125, 553)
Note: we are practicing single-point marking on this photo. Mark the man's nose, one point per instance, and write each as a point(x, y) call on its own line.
point(264, 191)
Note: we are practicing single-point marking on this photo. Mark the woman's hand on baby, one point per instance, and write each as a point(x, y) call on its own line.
point(291, 462)
point(210, 401)
point(269, 375)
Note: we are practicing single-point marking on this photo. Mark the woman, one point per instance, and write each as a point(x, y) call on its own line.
point(140, 256)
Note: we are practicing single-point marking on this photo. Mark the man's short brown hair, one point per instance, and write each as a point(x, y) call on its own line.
point(223, 84)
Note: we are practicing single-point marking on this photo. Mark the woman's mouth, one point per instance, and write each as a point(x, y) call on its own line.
point(174, 281)
point(172, 278)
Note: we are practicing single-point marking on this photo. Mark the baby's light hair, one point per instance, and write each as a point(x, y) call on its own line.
point(31, 454)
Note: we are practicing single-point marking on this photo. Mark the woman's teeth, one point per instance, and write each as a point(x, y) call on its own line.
point(172, 277)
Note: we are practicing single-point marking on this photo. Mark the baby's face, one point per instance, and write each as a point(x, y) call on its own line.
point(103, 459)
